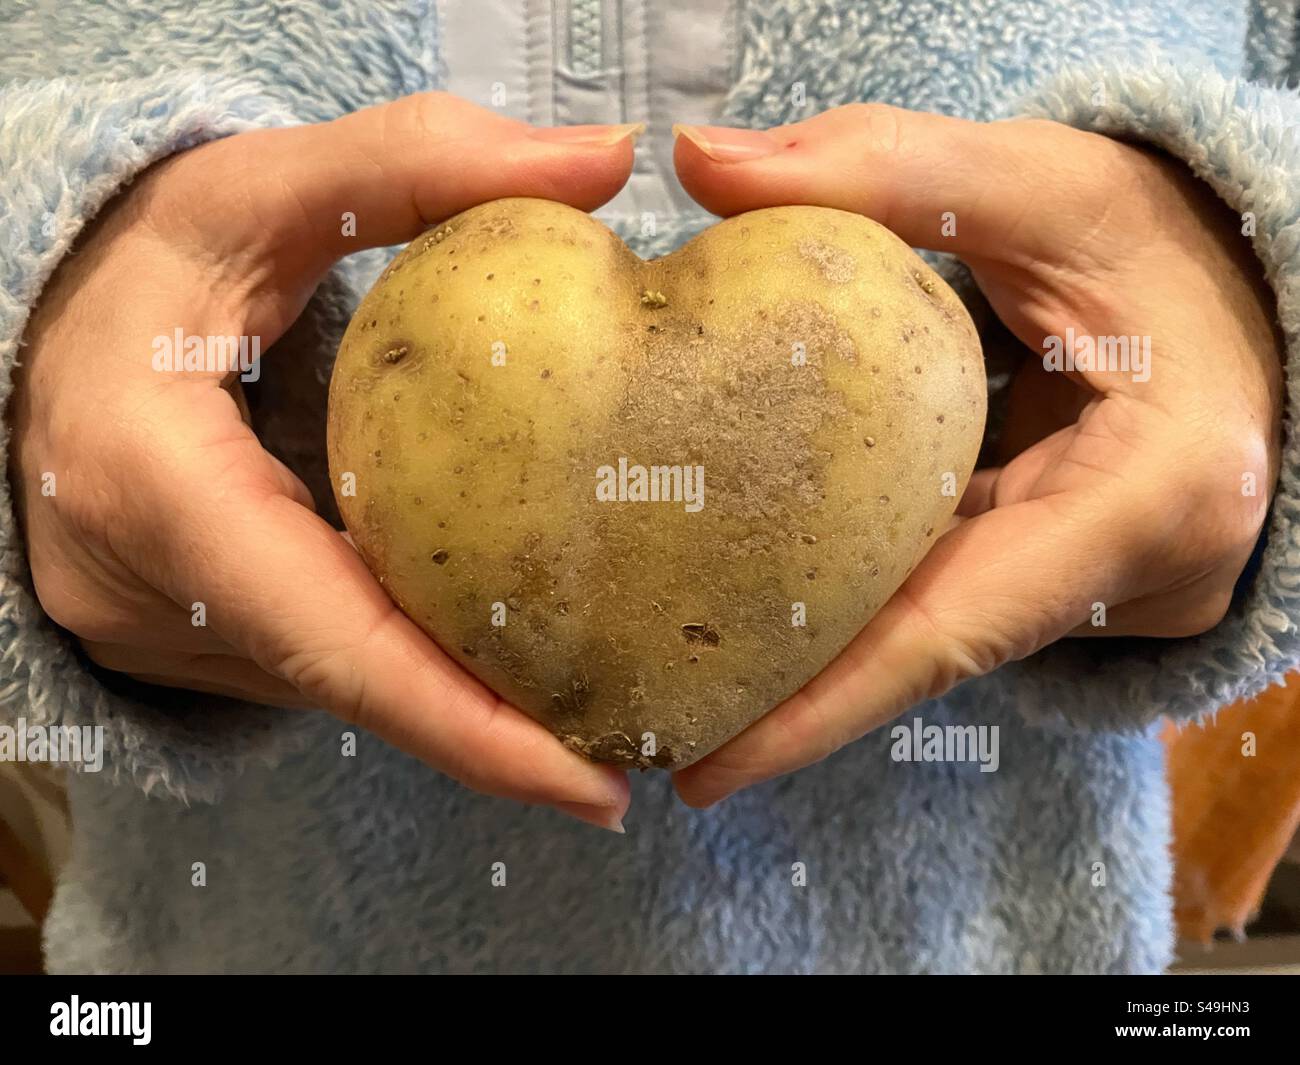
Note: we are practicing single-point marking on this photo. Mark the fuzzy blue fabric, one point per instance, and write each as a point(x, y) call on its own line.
point(375, 863)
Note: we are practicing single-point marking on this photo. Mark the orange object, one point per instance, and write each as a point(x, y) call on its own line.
point(22, 874)
point(1235, 787)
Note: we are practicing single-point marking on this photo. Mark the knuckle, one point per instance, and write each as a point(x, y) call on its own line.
point(811, 735)
point(880, 123)
point(417, 113)
point(1205, 615)
point(321, 674)
point(960, 660)
point(1229, 508)
point(437, 100)
point(332, 672)
point(77, 612)
point(425, 115)
point(59, 607)
point(955, 655)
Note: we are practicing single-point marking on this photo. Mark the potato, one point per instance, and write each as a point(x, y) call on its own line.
point(647, 501)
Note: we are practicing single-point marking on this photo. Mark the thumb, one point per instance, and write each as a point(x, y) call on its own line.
point(972, 188)
point(380, 176)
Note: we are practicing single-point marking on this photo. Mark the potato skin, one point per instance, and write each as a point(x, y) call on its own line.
point(830, 384)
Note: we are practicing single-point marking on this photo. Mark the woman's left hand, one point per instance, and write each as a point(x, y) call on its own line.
point(1148, 493)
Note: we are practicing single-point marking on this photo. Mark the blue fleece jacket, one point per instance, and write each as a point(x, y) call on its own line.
point(317, 862)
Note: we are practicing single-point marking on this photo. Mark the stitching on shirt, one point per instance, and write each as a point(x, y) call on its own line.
point(735, 12)
point(585, 36)
point(645, 47)
point(619, 59)
point(531, 48)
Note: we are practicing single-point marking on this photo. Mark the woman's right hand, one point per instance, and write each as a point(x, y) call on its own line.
point(144, 493)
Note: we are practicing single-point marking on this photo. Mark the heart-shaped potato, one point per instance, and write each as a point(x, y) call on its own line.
point(647, 501)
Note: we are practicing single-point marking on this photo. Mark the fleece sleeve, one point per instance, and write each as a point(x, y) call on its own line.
point(1243, 139)
point(66, 147)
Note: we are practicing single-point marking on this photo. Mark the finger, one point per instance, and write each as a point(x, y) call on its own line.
point(155, 632)
point(227, 675)
point(291, 484)
point(381, 175)
point(994, 589)
point(996, 486)
point(926, 177)
point(1040, 403)
point(260, 688)
point(978, 496)
point(288, 592)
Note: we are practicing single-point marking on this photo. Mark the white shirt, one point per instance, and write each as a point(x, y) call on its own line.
point(573, 62)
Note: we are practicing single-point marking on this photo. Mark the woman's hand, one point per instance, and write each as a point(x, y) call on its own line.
point(1148, 491)
point(144, 494)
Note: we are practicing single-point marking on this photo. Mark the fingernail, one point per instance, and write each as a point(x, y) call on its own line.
point(727, 144)
point(590, 136)
point(600, 816)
